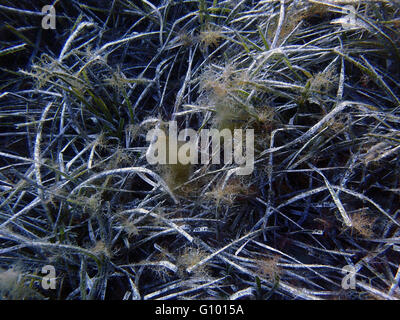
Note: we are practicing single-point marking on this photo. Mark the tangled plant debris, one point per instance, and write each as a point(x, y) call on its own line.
point(318, 84)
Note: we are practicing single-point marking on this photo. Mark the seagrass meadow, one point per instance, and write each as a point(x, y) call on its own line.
point(317, 81)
